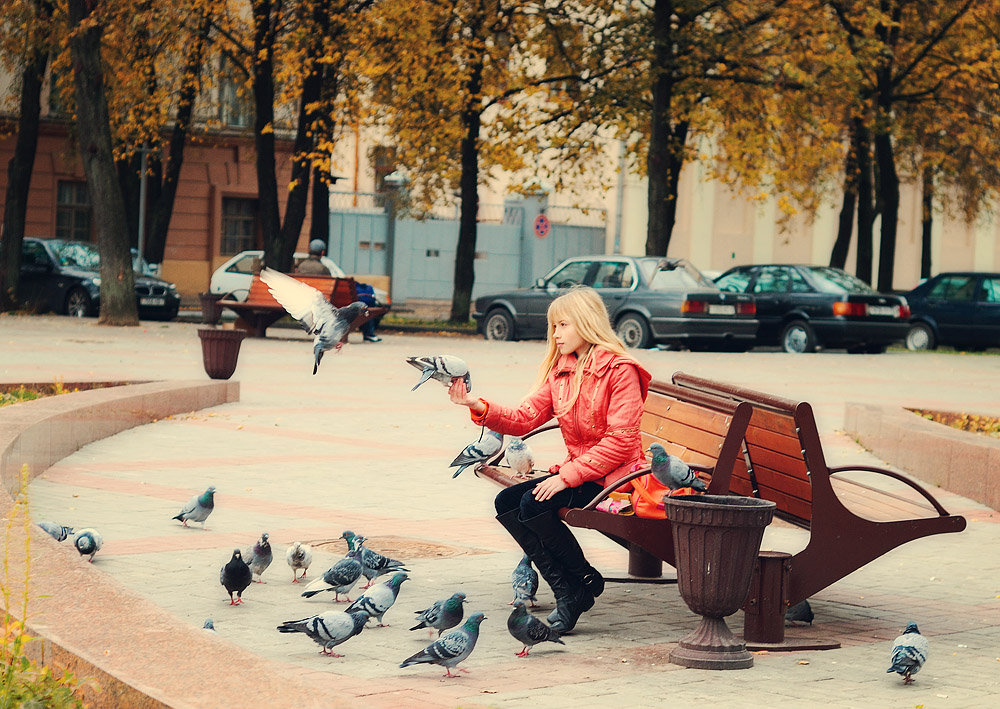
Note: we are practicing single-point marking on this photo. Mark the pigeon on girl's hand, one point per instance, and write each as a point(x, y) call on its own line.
point(909, 653)
point(520, 457)
point(450, 649)
point(376, 601)
point(328, 629)
point(524, 579)
point(443, 368)
point(527, 629)
point(198, 508)
point(672, 471)
point(479, 451)
point(339, 578)
point(373, 564)
point(235, 576)
point(56, 531)
point(442, 615)
point(315, 313)
point(800, 613)
point(299, 556)
point(259, 557)
point(88, 541)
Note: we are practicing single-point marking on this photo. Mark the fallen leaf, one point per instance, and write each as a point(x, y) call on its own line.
point(487, 691)
point(803, 662)
point(759, 652)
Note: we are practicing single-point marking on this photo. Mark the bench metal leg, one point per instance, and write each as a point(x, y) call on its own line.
point(643, 564)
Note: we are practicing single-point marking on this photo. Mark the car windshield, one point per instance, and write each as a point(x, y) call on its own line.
point(664, 274)
point(832, 280)
point(72, 254)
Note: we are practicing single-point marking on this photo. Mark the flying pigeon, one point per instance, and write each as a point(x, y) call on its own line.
point(373, 564)
point(909, 653)
point(236, 576)
point(520, 457)
point(524, 579)
point(376, 601)
point(452, 648)
point(198, 508)
point(800, 613)
point(444, 368)
point(479, 451)
point(56, 531)
point(442, 615)
point(672, 471)
point(299, 556)
point(316, 314)
point(328, 629)
point(88, 541)
point(209, 624)
point(259, 557)
point(339, 578)
point(527, 629)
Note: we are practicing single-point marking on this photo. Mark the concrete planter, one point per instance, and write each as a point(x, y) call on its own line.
point(220, 351)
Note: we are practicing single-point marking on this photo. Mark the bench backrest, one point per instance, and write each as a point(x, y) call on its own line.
point(339, 291)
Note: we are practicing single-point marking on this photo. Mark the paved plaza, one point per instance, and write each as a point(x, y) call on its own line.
point(306, 457)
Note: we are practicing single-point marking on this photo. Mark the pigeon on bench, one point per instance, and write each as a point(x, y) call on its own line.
point(519, 457)
point(235, 576)
point(443, 368)
point(299, 556)
point(909, 653)
point(198, 508)
point(328, 629)
point(56, 531)
point(527, 629)
point(450, 649)
point(443, 615)
point(672, 471)
point(258, 557)
point(477, 452)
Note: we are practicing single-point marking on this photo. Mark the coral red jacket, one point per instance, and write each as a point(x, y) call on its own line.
point(601, 430)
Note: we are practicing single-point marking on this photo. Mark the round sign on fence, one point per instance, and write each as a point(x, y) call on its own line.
point(542, 226)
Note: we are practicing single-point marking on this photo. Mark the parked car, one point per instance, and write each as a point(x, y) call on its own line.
point(961, 309)
point(650, 300)
point(64, 276)
point(802, 308)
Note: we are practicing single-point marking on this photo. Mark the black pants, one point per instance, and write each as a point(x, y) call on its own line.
point(519, 497)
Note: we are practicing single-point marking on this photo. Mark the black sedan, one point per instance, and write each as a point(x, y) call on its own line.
point(63, 276)
point(801, 308)
point(958, 309)
point(650, 300)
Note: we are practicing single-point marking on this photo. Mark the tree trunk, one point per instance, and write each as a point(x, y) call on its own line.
point(845, 224)
point(664, 159)
point(926, 221)
point(465, 254)
point(319, 225)
point(866, 204)
point(118, 305)
point(889, 194)
point(265, 20)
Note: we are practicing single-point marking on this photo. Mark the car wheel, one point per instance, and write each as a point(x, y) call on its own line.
point(499, 326)
point(798, 338)
point(78, 303)
point(920, 337)
point(634, 331)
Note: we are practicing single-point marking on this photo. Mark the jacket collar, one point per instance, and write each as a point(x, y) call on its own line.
point(600, 360)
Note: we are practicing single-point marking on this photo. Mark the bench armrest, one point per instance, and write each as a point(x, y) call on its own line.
point(632, 476)
point(902, 478)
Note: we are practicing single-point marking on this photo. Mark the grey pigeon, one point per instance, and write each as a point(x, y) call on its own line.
point(443, 368)
point(479, 451)
point(318, 317)
point(198, 508)
point(56, 531)
point(800, 613)
point(519, 457)
point(88, 541)
point(328, 629)
point(376, 601)
point(524, 580)
point(209, 625)
point(299, 556)
point(235, 576)
point(909, 653)
point(529, 630)
point(443, 614)
point(259, 557)
point(339, 578)
point(451, 648)
point(672, 471)
point(373, 564)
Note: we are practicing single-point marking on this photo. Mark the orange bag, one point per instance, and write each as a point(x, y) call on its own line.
point(648, 493)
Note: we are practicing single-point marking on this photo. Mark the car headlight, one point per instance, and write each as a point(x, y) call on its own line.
point(96, 280)
point(172, 287)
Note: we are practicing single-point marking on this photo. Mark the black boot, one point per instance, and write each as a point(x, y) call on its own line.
point(560, 543)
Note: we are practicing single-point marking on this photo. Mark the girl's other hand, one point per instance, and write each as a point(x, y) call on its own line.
point(548, 487)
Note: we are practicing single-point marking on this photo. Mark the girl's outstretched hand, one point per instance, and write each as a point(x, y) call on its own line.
point(460, 395)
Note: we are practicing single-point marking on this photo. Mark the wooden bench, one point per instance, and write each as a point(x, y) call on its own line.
point(260, 310)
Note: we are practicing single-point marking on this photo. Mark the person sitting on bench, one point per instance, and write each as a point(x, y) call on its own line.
point(596, 390)
point(312, 266)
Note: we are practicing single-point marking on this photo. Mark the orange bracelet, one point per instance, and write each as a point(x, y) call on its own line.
point(480, 419)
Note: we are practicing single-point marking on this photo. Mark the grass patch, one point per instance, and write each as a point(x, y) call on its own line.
point(973, 423)
point(15, 394)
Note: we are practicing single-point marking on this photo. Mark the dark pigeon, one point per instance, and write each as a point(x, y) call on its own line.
point(800, 613)
point(452, 648)
point(259, 556)
point(235, 576)
point(527, 629)
point(443, 615)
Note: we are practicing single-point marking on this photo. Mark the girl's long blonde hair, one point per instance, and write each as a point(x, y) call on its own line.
point(583, 307)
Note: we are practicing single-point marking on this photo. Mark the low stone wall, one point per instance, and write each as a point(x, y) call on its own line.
point(965, 463)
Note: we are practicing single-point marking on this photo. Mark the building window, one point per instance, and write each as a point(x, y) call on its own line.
point(383, 163)
point(72, 211)
point(239, 225)
point(234, 104)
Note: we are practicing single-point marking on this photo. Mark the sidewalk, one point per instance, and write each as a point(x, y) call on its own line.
point(306, 457)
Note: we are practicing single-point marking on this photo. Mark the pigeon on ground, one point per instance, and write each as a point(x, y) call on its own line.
point(209, 625)
point(328, 629)
point(318, 317)
point(299, 556)
point(519, 457)
point(800, 613)
point(56, 531)
point(376, 601)
point(909, 653)
point(444, 368)
point(373, 564)
point(88, 541)
point(339, 578)
point(477, 452)
point(524, 579)
point(527, 629)
point(259, 557)
point(452, 648)
point(236, 576)
point(198, 508)
point(672, 471)
point(442, 615)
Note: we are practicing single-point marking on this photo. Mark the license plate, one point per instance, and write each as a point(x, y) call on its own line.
point(715, 309)
point(152, 301)
point(891, 311)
